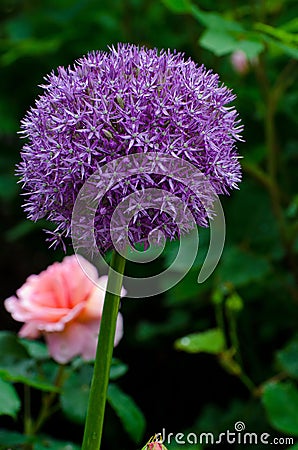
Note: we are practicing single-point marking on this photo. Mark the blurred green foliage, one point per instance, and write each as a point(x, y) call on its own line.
point(252, 297)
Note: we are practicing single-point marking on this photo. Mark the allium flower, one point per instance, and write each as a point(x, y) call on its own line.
point(64, 305)
point(130, 100)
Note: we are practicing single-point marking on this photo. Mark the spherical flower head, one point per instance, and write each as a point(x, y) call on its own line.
point(63, 303)
point(130, 100)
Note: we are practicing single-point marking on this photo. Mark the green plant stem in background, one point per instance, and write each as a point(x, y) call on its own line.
point(47, 408)
point(105, 345)
point(32, 427)
point(272, 95)
point(27, 411)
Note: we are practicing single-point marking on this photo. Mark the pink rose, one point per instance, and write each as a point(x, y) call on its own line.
point(64, 305)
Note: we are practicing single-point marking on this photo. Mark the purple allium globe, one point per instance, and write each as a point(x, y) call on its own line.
point(130, 100)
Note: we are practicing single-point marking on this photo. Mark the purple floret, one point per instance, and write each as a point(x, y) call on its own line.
point(130, 100)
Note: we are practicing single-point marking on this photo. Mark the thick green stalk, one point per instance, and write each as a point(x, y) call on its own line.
point(100, 380)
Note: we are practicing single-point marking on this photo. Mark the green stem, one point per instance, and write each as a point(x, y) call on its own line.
point(272, 95)
point(47, 402)
point(234, 335)
point(247, 382)
point(220, 321)
point(27, 411)
point(101, 374)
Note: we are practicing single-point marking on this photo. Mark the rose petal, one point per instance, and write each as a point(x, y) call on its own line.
point(94, 304)
point(80, 277)
point(76, 339)
point(36, 313)
point(29, 330)
point(64, 303)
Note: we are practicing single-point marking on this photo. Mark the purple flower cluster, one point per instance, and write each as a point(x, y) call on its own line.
point(127, 101)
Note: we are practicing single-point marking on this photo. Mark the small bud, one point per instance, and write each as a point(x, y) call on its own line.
point(217, 297)
point(234, 303)
point(155, 446)
point(120, 101)
point(229, 364)
point(108, 134)
point(240, 62)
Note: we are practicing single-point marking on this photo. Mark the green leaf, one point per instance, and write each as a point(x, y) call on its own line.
point(8, 125)
point(215, 21)
point(118, 369)
point(222, 42)
point(11, 439)
point(29, 47)
point(224, 36)
point(128, 412)
point(75, 406)
point(182, 263)
point(16, 365)
point(178, 6)
point(210, 341)
point(283, 48)
point(291, 26)
point(22, 229)
point(240, 267)
point(10, 403)
point(218, 42)
point(18, 28)
point(251, 48)
point(292, 209)
point(175, 322)
point(188, 289)
point(288, 358)
point(11, 350)
point(281, 403)
point(47, 443)
point(278, 33)
point(37, 350)
point(15, 441)
point(27, 373)
point(279, 39)
point(8, 187)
